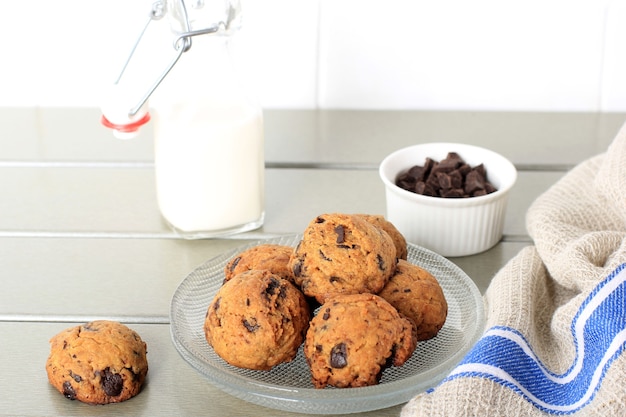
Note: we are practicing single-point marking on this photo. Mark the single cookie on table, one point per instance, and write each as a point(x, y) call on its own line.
point(257, 320)
point(398, 238)
point(274, 258)
point(342, 254)
point(416, 293)
point(99, 362)
point(354, 338)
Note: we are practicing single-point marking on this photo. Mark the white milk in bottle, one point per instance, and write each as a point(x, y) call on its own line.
point(209, 159)
point(209, 168)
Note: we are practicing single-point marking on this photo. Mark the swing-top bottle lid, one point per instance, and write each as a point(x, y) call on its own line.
point(116, 115)
point(188, 20)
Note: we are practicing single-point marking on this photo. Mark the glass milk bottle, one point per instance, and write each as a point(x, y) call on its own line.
point(209, 156)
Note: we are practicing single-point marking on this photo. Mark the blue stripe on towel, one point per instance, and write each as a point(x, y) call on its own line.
point(599, 334)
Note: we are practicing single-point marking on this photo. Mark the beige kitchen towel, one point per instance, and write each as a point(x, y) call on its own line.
point(555, 339)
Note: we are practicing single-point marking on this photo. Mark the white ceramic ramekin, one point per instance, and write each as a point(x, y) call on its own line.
point(448, 226)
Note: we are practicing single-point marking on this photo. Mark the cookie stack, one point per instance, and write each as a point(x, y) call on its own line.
point(346, 291)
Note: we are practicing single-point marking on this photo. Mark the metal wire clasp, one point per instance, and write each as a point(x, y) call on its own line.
point(182, 44)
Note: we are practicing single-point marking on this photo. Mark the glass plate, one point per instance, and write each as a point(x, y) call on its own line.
point(288, 386)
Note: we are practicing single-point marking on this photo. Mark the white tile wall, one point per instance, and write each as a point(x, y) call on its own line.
point(486, 54)
point(613, 90)
point(546, 55)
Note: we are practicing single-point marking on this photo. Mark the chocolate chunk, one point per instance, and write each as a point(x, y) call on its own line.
point(339, 356)
point(406, 177)
point(341, 234)
point(464, 170)
point(234, 264)
point(326, 315)
point(320, 220)
point(272, 288)
point(418, 173)
point(323, 256)
point(432, 179)
point(136, 375)
point(478, 193)
point(297, 268)
point(424, 189)
point(428, 166)
point(76, 378)
point(456, 179)
point(453, 193)
point(474, 181)
point(489, 187)
point(449, 164)
point(455, 158)
point(112, 384)
point(444, 180)
point(88, 327)
point(381, 262)
point(68, 391)
point(404, 184)
point(481, 170)
point(251, 325)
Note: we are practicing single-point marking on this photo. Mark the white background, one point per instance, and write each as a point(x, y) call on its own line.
point(543, 55)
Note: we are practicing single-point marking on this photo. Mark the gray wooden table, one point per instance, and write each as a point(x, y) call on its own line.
point(81, 237)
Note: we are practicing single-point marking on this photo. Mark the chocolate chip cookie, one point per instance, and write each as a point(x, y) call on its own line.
point(257, 320)
point(342, 254)
point(274, 258)
point(353, 338)
point(416, 293)
point(99, 362)
point(398, 239)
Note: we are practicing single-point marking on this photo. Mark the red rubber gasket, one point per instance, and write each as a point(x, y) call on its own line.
point(126, 128)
